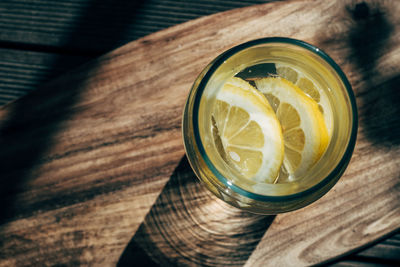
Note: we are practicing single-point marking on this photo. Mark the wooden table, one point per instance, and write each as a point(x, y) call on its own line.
point(92, 167)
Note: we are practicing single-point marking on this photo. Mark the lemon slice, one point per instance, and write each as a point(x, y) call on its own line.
point(304, 131)
point(309, 87)
point(247, 132)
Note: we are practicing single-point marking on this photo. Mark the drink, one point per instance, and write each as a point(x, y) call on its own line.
point(270, 125)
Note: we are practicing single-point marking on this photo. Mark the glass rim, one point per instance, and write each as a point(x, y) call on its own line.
point(217, 62)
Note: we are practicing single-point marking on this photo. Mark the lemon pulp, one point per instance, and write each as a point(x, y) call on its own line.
point(304, 131)
point(247, 132)
point(274, 131)
point(310, 88)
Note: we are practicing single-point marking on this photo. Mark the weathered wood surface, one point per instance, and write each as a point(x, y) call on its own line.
point(93, 168)
point(40, 39)
point(52, 23)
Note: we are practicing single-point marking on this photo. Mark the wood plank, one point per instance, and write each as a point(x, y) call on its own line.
point(385, 253)
point(94, 157)
point(176, 232)
point(47, 38)
point(93, 26)
point(23, 71)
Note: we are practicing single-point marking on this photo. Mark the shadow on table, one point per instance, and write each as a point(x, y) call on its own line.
point(188, 225)
point(28, 128)
point(367, 30)
point(369, 39)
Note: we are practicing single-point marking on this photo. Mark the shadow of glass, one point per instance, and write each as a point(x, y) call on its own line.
point(381, 115)
point(369, 40)
point(369, 35)
point(188, 225)
point(362, 35)
point(28, 128)
point(367, 29)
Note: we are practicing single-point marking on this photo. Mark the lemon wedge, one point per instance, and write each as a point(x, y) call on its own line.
point(310, 88)
point(304, 131)
point(246, 131)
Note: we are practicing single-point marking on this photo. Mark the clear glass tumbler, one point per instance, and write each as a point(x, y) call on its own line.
point(202, 152)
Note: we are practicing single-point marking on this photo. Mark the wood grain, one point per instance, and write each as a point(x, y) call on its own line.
point(23, 71)
point(84, 174)
point(49, 23)
point(40, 39)
point(383, 253)
point(189, 226)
